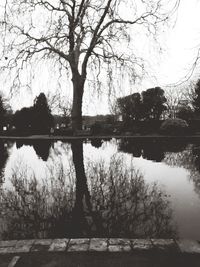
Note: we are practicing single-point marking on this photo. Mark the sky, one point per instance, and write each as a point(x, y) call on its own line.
point(179, 45)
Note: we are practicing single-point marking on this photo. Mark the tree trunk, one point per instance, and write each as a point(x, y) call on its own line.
point(78, 87)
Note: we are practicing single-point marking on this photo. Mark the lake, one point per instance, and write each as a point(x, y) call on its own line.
point(99, 188)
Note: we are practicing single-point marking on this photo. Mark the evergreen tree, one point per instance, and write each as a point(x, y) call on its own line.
point(42, 117)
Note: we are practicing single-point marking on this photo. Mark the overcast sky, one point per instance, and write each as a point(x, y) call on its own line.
point(179, 48)
point(181, 43)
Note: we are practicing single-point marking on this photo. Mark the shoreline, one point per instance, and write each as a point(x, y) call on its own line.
point(59, 137)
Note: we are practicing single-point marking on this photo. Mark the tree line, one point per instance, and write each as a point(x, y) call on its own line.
point(34, 119)
point(153, 104)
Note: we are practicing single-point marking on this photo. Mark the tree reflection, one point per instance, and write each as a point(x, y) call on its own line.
point(188, 159)
point(41, 147)
point(3, 158)
point(150, 149)
point(96, 142)
point(113, 202)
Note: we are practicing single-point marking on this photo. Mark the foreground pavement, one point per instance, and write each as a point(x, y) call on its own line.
point(99, 252)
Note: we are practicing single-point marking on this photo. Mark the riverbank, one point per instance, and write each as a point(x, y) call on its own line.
point(100, 252)
point(139, 137)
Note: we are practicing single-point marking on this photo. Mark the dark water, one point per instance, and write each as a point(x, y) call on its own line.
point(99, 188)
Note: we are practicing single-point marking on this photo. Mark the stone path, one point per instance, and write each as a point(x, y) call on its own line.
point(99, 245)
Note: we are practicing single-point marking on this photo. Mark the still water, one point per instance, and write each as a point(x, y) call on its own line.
point(99, 188)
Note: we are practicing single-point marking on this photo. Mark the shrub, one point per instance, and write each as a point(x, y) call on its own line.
point(174, 127)
point(96, 128)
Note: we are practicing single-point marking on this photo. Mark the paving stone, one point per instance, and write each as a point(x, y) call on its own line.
point(189, 246)
point(41, 245)
point(118, 241)
point(8, 243)
point(119, 248)
point(98, 244)
point(23, 246)
point(165, 244)
point(7, 250)
point(141, 244)
point(119, 245)
point(78, 245)
point(59, 245)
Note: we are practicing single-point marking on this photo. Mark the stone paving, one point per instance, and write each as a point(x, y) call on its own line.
point(99, 245)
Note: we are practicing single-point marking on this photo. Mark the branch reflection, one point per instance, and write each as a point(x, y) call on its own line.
point(98, 199)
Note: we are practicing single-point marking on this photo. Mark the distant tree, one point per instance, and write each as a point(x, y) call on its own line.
point(153, 103)
point(23, 118)
point(196, 98)
point(42, 117)
point(130, 107)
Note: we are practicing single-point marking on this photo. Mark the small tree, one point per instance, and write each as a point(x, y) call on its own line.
point(42, 118)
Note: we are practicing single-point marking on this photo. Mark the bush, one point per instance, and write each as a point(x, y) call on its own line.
point(174, 127)
point(96, 128)
point(64, 132)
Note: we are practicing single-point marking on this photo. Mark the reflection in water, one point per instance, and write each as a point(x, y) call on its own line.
point(96, 142)
point(41, 147)
point(152, 150)
point(173, 153)
point(96, 200)
point(196, 156)
point(188, 159)
point(3, 158)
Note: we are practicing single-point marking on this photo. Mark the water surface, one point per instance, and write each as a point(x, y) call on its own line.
point(99, 188)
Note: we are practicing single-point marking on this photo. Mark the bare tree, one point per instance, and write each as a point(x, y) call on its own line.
point(180, 97)
point(174, 96)
point(80, 35)
point(59, 104)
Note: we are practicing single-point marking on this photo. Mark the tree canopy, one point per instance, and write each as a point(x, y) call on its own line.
point(153, 100)
point(148, 105)
point(130, 107)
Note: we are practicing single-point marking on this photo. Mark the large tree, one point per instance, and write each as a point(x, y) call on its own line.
point(154, 103)
point(130, 107)
point(80, 35)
